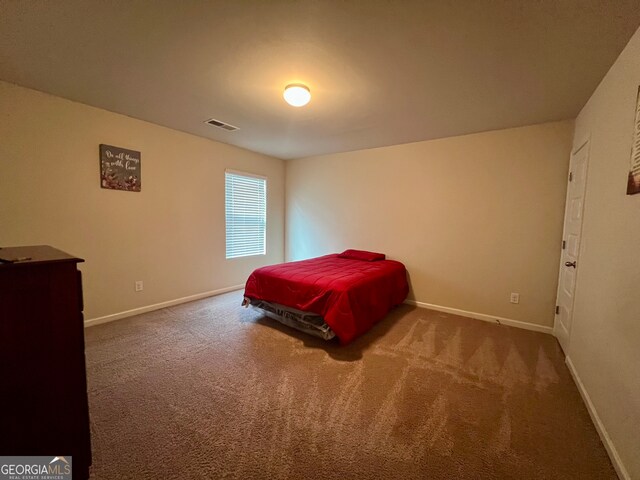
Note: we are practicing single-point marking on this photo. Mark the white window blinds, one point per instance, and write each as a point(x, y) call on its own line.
point(245, 214)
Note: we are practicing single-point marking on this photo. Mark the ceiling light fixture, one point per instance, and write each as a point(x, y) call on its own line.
point(296, 94)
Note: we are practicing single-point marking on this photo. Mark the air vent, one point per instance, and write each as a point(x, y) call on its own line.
point(219, 124)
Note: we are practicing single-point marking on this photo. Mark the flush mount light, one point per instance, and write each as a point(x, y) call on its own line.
point(296, 94)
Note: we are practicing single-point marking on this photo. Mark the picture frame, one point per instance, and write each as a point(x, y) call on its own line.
point(120, 168)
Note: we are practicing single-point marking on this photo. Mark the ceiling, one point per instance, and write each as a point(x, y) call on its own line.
point(381, 72)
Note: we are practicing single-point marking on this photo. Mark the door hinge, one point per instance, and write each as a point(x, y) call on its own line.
point(557, 309)
point(570, 176)
point(564, 244)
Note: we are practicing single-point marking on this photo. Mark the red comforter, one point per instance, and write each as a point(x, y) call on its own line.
point(351, 295)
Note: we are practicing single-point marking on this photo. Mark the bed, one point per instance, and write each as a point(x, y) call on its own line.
point(340, 295)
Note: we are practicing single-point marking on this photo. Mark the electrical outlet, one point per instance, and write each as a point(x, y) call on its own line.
point(139, 286)
point(515, 298)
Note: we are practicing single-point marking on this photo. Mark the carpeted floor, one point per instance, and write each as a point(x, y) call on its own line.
point(211, 390)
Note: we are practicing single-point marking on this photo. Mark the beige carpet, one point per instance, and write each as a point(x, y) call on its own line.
point(212, 390)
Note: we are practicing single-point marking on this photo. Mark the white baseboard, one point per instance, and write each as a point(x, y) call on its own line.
point(482, 316)
point(604, 436)
point(158, 306)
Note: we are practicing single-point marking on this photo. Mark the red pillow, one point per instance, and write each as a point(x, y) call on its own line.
point(362, 255)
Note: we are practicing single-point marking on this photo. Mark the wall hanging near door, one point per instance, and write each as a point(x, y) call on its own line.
point(120, 168)
point(633, 183)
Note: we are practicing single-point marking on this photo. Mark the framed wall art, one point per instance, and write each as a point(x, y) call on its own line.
point(120, 168)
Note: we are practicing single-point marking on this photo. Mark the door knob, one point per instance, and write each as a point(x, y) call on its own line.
point(570, 264)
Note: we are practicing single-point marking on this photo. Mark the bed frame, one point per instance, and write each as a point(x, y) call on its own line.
point(306, 322)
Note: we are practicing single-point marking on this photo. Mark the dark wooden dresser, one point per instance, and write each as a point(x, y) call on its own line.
point(43, 386)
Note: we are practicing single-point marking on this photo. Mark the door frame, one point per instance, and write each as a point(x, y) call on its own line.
point(584, 143)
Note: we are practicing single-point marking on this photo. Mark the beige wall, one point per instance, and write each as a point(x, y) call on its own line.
point(171, 235)
point(604, 343)
point(473, 218)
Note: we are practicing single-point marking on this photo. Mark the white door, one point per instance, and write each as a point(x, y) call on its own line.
point(569, 262)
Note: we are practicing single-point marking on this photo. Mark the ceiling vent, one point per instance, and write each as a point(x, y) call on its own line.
point(219, 124)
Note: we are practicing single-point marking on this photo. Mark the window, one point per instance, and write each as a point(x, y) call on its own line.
point(245, 214)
